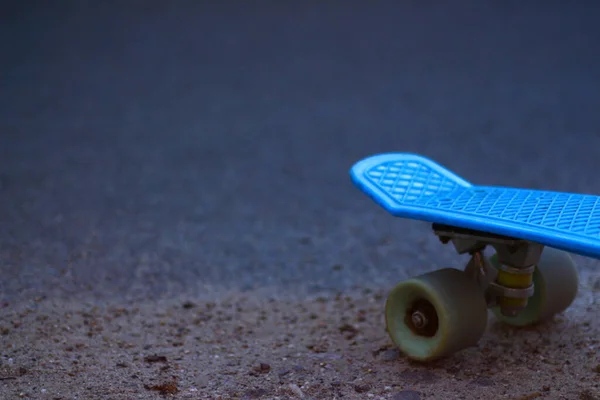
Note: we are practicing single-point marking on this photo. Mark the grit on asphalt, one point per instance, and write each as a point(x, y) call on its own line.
point(177, 218)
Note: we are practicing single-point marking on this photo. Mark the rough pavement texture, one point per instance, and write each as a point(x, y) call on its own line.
point(153, 153)
point(259, 347)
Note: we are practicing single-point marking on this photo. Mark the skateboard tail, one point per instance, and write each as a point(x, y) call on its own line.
point(391, 179)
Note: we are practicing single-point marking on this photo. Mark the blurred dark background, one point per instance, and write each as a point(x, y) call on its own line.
point(155, 148)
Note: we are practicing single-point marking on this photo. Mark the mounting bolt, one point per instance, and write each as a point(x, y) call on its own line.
point(419, 319)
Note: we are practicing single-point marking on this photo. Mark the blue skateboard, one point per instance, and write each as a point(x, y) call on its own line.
point(530, 278)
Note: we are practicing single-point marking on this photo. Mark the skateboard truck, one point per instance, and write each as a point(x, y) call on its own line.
point(508, 285)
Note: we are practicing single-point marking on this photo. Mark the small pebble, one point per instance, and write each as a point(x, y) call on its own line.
point(361, 388)
point(254, 394)
point(188, 304)
point(347, 328)
point(296, 390)
point(390, 355)
point(155, 358)
point(326, 356)
point(407, 395)
point(262, 368)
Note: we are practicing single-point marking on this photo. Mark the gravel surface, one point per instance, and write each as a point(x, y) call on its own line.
point(260, 347)
point(153, 154)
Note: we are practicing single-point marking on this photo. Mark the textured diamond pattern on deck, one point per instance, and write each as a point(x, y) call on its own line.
point(410, 182)
point(574, 213)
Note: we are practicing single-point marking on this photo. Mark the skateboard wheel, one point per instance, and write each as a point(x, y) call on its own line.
point(436, 314)
point(555, 281)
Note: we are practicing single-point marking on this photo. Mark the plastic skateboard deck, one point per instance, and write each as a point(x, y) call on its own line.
point(412, 186)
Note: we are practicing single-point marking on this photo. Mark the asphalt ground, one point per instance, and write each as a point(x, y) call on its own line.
point(154, 150)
